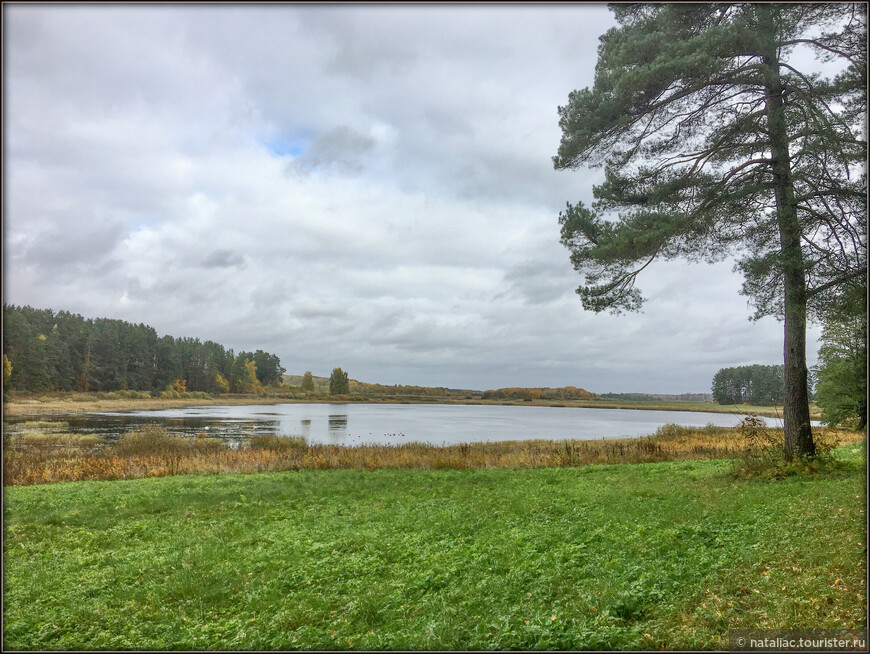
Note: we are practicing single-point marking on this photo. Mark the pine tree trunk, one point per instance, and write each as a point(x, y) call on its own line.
point(796, 406)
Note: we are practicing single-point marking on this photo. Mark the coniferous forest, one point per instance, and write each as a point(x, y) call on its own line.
point(63, 351)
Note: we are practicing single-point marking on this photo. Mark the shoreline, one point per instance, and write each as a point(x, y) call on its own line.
point(91, 403)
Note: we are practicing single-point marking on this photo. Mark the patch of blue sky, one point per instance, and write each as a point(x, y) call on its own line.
point(285, 147)
point(142, 226)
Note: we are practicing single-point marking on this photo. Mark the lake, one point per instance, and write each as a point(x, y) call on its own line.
point(388, 424)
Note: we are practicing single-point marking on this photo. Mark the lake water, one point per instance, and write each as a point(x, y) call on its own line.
point(392, 424)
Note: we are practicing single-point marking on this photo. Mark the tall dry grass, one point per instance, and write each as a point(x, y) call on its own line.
point(74, 402)
point(153, 452)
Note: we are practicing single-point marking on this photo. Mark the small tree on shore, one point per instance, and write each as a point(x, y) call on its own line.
point(7, 370)
point(338, 382)
point(308, 382)
point(221, 384)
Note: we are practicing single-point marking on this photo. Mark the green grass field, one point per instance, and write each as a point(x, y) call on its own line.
point(603, 557)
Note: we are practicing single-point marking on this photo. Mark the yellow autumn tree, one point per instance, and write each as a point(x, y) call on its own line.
point(249, 383)
point(7, 370)
point(221, 383)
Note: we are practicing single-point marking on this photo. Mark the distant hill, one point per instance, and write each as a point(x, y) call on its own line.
point(510, 393)
point(365, 388)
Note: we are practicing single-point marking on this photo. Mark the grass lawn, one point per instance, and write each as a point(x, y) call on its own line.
point(621, 556)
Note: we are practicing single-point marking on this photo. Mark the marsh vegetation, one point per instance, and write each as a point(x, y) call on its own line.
point(154, 452)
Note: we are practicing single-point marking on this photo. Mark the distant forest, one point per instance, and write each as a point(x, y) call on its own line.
point(757, 384)
point(659, 397)
point(378, 390)
point(64, 352)
point(529, 394)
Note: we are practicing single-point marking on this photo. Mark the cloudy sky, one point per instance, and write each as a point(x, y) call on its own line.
point(368, 187)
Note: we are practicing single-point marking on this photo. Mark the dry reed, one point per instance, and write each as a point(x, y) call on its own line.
point(153, 452)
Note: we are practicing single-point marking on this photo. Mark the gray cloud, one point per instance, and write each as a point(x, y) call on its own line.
point(538, 281)
point(340, 148)
point(146, 162)
point(223, 259)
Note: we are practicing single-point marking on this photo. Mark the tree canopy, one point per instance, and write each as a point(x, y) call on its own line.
point(717, 139)
point(755, 384)
point(841, 391)
point(338, 382)
point(63, 351)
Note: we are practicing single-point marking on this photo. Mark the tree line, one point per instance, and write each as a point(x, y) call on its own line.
point(529, 394)
point(63, 351)
point(840, 376)
point(841, 388)
point(755, 384)
point(658, 397)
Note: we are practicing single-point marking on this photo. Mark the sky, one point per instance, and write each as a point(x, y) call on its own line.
point(369, 187)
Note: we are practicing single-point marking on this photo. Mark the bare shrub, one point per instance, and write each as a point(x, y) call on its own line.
point(763, 456)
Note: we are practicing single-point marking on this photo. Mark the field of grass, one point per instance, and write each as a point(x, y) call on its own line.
point(647, 556)
point(74, 402)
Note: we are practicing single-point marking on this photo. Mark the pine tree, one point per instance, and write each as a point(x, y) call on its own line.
point(714, 143)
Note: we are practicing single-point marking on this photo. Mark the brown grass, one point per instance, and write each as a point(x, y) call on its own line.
point(153, 452)
point(76, 402)
point(90, 402)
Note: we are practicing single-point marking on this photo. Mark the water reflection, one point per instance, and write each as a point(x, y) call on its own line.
point(110, 427)
point(338, 425)
point(380, 424)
